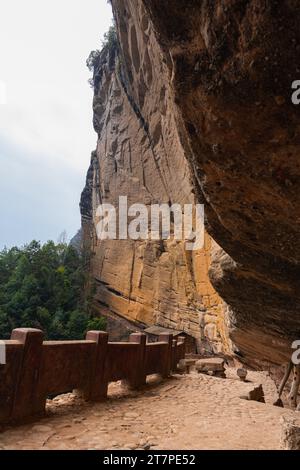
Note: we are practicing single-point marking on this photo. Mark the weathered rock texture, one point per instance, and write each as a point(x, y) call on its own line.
point(232, 64)
point(207, 92)
point(140, 155)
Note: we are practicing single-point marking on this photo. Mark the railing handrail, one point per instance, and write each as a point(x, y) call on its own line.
point(35, 368)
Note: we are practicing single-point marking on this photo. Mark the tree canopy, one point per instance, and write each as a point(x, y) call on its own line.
point(46, 287)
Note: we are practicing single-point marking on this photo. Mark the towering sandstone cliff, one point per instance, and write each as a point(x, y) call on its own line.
point(140, 155)
point(196, 106)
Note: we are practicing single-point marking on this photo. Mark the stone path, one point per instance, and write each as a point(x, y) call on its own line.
point(185, 412)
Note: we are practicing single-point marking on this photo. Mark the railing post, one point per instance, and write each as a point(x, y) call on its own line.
point(167, 361)
point(98, 385)
point(181, 354)
point(138, 378)
point(26, 400)
point(174, 355)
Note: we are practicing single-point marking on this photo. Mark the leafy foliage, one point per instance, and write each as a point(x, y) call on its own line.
point(110, 38)
point(109, 43)
point(92, 59)
point(45, 286)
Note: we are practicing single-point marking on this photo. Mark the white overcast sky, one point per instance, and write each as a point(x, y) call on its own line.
point(46, 132)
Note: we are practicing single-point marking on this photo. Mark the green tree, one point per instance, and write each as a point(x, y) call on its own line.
point(98, 324)
point(46, 287)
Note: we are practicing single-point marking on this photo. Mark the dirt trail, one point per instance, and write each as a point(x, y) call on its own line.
point(185, 412)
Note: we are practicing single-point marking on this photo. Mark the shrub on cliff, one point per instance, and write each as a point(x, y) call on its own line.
point(44, 286)
point(110, 42)
point(92, 60)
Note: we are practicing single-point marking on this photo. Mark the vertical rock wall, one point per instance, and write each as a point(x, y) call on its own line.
point(231, 67)
point(140, 154)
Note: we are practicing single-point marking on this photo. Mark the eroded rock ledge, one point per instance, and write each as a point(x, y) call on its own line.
point(139, 154)
point(212, 81)
point(232, 64)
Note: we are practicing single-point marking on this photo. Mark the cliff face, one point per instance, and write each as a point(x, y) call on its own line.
point(205, 112)
point(232, 64)
point(140, 155)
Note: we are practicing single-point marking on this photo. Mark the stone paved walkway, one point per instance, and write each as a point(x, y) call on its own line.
point(186, 412)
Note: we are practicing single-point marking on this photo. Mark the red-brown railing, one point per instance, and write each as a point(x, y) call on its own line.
point(35, 368)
